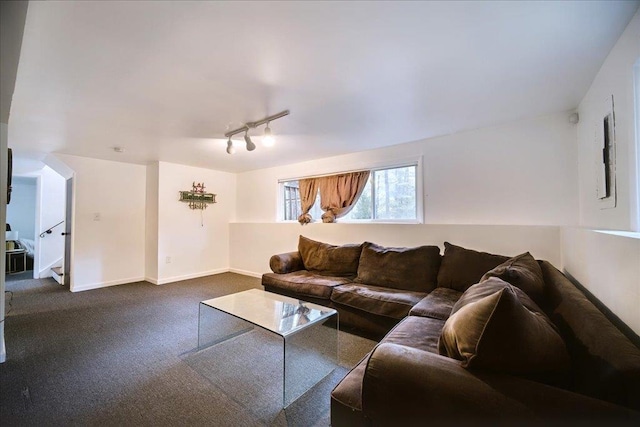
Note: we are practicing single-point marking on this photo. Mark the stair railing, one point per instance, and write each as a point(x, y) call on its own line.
point(49, 231)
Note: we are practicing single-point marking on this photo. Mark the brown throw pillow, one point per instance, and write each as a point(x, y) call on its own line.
point(462, 267)
point(524, 272)
point(329, 260)
point(411, 269)
point(498, 332)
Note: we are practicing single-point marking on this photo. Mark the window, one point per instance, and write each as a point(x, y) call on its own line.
point(291, 200)
point(391, 194)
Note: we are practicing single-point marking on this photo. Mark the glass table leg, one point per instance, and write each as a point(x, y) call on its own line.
point(215, 326)
point(309, 355)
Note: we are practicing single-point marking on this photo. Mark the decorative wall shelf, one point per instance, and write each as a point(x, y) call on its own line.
point(197, 198)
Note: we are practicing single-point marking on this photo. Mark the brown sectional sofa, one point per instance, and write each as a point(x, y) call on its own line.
point(468, 337)
point(372, 287)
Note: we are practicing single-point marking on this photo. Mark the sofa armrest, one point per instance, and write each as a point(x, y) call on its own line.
point(417, 387)
point(286, 263)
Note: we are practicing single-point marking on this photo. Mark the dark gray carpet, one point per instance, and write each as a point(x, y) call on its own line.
point(25, 275)
point(126, 355)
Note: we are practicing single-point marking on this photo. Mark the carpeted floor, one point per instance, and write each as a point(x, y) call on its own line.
point(14, 277)
point(126, 355)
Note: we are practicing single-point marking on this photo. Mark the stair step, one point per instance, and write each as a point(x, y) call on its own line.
point(57, 274)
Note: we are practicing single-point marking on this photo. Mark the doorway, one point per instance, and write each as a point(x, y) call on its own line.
point(66, 278)
point(42, 224)
point(21, 229)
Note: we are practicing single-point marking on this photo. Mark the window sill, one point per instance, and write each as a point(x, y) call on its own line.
point(356, 222)
point(628, 234)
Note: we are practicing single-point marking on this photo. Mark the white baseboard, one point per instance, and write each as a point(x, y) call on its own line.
point(157, 281)
point(245, 272)
point(80, 288)
point(44, 274)
point(187, 276)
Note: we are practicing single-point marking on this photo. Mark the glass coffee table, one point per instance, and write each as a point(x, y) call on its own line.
point(308, 333)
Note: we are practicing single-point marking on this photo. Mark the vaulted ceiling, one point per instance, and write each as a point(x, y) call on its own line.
point(165, 80)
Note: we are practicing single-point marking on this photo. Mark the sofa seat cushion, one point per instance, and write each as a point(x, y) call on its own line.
point(500, 328)
point(304, 283)
point(329, 260)
point(437, 304)
point(386, 302)
point(462, 267)
point(412, 269)
point(417, 332)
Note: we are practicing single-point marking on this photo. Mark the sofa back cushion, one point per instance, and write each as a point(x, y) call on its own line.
point(524, 272)
point(329, 260)
point(605, 363)
point(462, 267)
point(495, 326)
point(411, 269)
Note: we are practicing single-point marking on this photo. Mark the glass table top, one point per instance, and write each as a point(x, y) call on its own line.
point(274, 312)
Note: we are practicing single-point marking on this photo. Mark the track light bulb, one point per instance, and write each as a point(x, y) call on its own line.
point(268, 139)
point(230, 149)
point(250, 145)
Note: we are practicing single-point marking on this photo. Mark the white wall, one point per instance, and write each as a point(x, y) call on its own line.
point(520, 177)
point(108, 236)
point(609, 265)
point(252, 244)
point(151, 223)
point(51, 210)
point(128, 220)
point(614, 78)
point(21, 212)
point(521, 173)
point(196, 241)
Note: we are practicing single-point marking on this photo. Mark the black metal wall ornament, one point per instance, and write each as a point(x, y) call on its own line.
point(197, 197)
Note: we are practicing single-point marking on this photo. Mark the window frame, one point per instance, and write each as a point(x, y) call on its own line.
point(396, 164)
point(635, 187)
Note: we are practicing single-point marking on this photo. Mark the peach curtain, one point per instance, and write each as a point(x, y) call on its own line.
point(308, 192)
point(338, 193)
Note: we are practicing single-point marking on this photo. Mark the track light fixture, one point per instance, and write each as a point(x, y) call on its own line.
point(250, 145)
point(230, 149)
point(268, 139)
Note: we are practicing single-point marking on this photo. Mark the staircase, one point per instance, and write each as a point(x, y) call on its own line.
point(57, 274)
